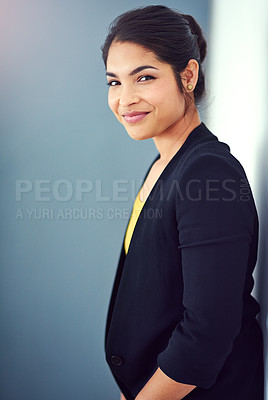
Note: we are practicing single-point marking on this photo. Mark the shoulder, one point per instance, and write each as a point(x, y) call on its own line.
point(209, 157)
point(210, 174)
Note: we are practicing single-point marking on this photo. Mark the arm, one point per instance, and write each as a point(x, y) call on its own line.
point(214, 235)
point(161, 387)
point(122, 397)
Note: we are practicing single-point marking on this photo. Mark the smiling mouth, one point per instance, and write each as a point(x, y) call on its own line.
point(135, 117)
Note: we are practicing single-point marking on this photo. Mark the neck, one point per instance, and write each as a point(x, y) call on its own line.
point(170, 141)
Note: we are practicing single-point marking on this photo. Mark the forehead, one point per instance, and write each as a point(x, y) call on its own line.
point(127, 53)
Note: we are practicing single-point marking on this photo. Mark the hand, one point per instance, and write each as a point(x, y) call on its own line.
point(161, 387)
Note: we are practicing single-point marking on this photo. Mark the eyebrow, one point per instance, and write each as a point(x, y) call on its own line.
point(135, 71)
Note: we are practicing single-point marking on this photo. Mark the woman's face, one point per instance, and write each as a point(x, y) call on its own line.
point(143, 92)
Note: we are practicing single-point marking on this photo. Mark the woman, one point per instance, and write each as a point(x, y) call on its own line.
point(181, 322)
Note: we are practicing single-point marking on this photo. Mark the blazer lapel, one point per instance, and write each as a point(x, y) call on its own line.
point(120, 267)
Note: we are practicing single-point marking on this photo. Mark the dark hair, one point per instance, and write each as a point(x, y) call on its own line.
point(175, 38)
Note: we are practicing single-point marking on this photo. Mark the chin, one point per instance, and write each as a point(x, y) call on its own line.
point(138, 135)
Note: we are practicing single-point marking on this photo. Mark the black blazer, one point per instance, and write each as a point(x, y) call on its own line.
point(181, 298)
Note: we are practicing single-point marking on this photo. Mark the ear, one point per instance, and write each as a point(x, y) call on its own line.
point(189, 76)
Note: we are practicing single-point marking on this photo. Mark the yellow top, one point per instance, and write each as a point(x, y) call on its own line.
point(137, 207)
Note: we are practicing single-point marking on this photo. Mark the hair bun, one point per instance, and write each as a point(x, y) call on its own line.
point(196, 30)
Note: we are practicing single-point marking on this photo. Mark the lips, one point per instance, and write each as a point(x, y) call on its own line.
point(134, 116)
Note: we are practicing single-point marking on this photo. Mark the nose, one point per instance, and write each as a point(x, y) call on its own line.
point(128, 96)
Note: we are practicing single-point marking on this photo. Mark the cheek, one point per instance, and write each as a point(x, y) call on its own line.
point(176, 101)
point(111, 102)
point(171, 108)
point(165, 95)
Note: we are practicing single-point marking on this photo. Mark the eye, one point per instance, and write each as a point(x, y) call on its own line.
point(145, 78)
point(113, 83)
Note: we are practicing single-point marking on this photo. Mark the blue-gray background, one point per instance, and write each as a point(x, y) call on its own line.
point(57, 133)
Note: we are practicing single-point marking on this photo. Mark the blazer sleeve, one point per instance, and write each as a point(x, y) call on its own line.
point(215, 222)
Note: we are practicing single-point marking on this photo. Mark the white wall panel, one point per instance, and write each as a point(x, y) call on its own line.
point(237, 114)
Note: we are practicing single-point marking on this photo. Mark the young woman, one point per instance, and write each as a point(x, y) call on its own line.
point(182, 321)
